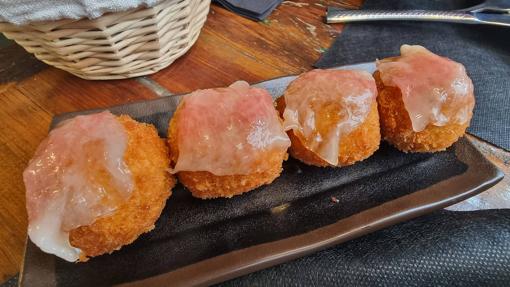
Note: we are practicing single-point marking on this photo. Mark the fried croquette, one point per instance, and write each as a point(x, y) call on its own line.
point(331, 117)
point(206, 185)
point(425, 100)
point(356, 146)
point(147, 158)
point(226, 141)
point(397, 129)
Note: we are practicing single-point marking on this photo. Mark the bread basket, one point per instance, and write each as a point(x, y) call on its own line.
point(116, 45)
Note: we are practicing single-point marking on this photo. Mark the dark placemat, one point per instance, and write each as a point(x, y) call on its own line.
point(16, 64)
point(11, 282)
point(484, 50)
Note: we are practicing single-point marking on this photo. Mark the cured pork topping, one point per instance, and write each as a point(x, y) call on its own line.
point(228, 131)
point(77, 175)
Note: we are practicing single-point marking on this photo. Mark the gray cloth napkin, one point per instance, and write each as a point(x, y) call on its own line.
point(484, 50)
point(25, 11)
point(255, 10)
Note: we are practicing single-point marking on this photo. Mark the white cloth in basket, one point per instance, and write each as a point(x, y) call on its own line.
point(21, 12)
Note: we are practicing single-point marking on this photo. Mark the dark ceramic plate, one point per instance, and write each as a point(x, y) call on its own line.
point(199, 242)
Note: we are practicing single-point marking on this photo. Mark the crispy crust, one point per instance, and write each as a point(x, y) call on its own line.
point(356, 146)
point(396, 126)
point(147, 158)
point(206, 185)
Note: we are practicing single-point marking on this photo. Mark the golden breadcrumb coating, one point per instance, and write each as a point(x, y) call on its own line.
point(396, 126)
point(206, 185)
point(353, 147)
point(147, 158)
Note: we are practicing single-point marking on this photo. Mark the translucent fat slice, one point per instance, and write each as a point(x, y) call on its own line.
point(77, 175)
point(435, 90)
point(228, 131)
point(321, 106)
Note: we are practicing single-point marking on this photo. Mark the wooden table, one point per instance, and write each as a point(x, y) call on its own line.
point(229, 48)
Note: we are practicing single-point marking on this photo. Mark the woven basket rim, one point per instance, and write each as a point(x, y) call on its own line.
point(141, 5)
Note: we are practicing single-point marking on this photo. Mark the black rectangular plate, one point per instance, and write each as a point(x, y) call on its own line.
point(199, 242)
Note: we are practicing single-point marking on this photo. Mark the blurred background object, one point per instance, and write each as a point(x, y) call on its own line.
point(115, 45)
point(255, 10)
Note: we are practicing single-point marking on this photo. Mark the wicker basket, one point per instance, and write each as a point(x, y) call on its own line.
point(116, 45)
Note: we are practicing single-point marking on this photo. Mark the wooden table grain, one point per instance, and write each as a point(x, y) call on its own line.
point(229, 48)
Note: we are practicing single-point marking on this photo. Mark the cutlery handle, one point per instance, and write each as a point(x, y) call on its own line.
point(335, 15)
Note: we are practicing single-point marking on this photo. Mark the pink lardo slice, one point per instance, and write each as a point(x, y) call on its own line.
point(228, 131)
point(435, 90)
point(77, 175)
point(321, 106)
